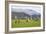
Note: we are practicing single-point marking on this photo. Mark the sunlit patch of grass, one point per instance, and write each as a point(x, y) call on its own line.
point(25, 23)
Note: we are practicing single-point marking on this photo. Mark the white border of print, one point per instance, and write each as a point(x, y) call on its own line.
point(28, 28)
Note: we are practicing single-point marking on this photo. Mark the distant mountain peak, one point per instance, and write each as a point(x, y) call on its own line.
point(26, 11)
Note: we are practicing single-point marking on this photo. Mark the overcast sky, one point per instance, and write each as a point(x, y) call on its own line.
point(21, 8)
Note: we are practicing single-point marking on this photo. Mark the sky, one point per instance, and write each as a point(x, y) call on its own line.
point(26, 8)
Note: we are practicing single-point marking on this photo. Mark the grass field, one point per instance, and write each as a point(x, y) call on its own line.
point(17, 23)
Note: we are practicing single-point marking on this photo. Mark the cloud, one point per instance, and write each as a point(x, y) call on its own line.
point(21, 9)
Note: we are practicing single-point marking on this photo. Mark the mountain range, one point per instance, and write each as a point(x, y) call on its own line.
point(26, 11)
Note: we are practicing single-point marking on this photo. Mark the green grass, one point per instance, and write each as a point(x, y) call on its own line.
point(17, 23)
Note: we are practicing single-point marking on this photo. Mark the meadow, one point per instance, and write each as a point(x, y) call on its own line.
point(17, 23)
